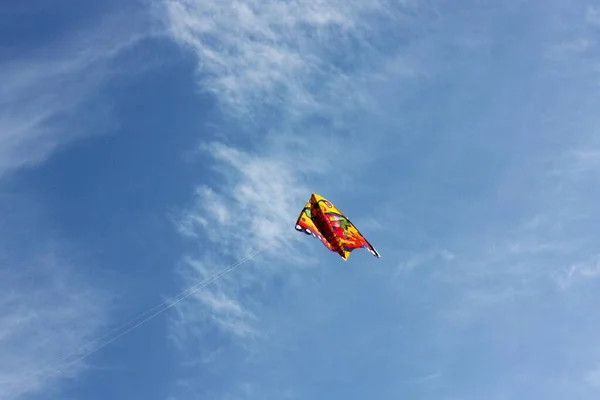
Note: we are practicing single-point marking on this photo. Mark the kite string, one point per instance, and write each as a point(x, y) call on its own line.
point(123, 325)
point(167, 304)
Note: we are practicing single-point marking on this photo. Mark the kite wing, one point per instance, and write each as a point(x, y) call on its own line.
point(305, 224)
point(348, 235)
point(333, 228)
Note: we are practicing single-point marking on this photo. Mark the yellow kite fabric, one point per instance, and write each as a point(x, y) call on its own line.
point(321, 219)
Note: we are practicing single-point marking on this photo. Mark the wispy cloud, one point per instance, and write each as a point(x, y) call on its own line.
point(275, 58)
point(290, 71)
point(264, 53)
point(265, 60)
point(44, 92)
point(47, 313)
point(418, 260)
point(580, 271)
point(249, 205)
point(592, 377)
point(593, 16)
point(48, 307)
point(548, 252)
point(249, 209)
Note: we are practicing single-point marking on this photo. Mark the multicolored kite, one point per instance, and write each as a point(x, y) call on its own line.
point(323, 220)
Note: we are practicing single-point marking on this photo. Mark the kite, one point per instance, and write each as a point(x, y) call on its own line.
point(324, 221)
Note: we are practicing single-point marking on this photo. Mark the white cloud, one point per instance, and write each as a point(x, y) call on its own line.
point(575, 43)
point(48, 308)
point(553, 249)
point(46, 314)
point(272, 64)
point(586, 161)
point(253, 207)
point(593, 16)
point(269, 55)
point(424, 379)
point(592, 377)
point(279, 65)
point(579, 272)
point(42, 92)
point(418, 260)
point(261, 53)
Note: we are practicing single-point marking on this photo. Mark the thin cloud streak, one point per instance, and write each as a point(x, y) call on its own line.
point(262, 59)
point(48, 307)
point(249, 210)
point(258, 53)
point(43, 93)
point(44, 323)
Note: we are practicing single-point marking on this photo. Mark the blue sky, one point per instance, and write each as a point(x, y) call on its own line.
point(145, 145)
